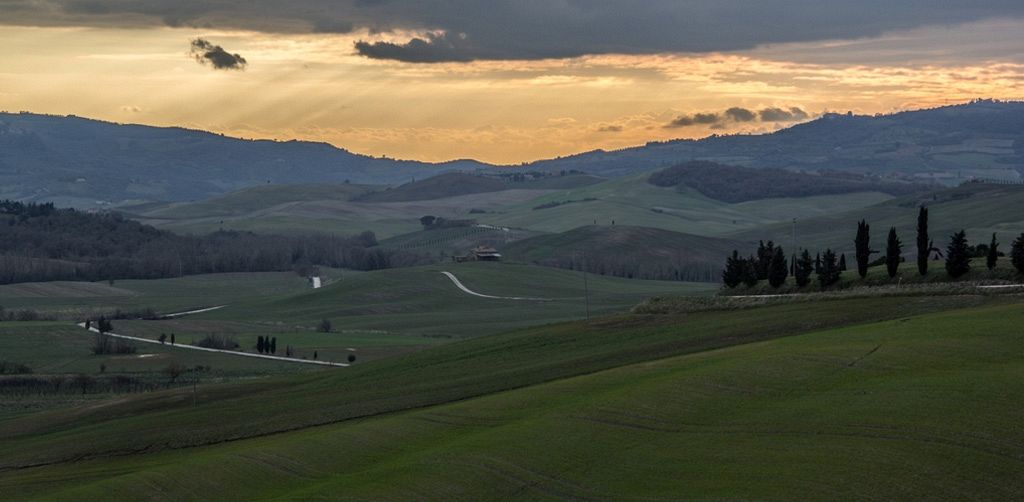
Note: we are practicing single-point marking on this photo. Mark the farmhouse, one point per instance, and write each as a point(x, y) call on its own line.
point(479, 253)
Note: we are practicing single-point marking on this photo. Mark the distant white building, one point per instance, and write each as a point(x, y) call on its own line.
point(316, 282)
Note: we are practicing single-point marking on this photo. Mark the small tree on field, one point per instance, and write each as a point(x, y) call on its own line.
point(803, 268)
point(893, 252)
point(829, 274)
point(259, 344)
point(778, 270)
point(273, 345)
point(172, 338)
point(315, 355)
point(428, 221)
point(351, 358)
point(163, 338)
point(993, 254)
point(958, 256)
point(173, 371)
point(324, 326)
point(1017, 254)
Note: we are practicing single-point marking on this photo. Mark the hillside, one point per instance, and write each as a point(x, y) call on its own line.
point(437, 187)
point(632, 201)
point(627, 251)
point(948, 144)
point(978, 208)
point(879, 396)
point(81, 162)
point(734, 184)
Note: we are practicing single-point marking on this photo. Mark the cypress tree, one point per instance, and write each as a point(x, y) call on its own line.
point(817, 264)
point(273, 345)
point(958, 257)
point(993, 254)
point(829, 274)
point(1017, 254)
point(732, 275)
point(779, 269)
point(863, 246)
point(842, 262)
point(893, 250)
point(750, 272)
point(924, 245)
point(259, 344)
point(765, 254)
point(803, 269)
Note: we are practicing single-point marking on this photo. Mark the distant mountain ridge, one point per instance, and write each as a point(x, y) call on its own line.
point(78, 162)
point(950, 144)
point(81, 162)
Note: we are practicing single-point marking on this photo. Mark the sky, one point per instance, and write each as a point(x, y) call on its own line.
point(502, 81)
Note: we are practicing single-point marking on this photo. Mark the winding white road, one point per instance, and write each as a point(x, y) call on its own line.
point(221, 351)
point(466, 290)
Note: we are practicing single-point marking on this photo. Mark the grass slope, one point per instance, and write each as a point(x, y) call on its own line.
point(880, 411)
point(437, 187)
point(981, 209)
point(421, 301)
point(445, 374)
point(626, 251)
point(75, 300)
point(633, 201)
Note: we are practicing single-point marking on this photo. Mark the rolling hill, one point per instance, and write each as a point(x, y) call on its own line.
point(979, 208)
point(881, 397)
point(626, 251)
point(948, 144)
point(82, 162)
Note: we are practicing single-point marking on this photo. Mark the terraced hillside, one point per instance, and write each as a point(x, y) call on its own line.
point(883, 398)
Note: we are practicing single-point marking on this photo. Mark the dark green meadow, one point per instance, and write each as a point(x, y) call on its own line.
point(867, 398)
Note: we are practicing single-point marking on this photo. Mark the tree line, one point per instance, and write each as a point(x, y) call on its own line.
point(39, 242)
point(771, 264)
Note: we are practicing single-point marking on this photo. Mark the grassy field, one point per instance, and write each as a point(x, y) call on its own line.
point(64, 351)
point(627, 201)
point(978, 208)
point(292, 212)
point(633, 201)
point(421, 301)
point(75, 300)
point(867, 398)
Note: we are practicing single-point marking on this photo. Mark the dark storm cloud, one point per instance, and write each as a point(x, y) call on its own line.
point(529, 29)
point(738, 115)
point(206, 53)
point(699, 118)
point(780, 115)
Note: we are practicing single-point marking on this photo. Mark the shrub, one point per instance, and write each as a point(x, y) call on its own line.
point(219, 342)
point(324, 326)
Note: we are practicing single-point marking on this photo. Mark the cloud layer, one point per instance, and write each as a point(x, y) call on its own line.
point(466, 30)
point(737, 115)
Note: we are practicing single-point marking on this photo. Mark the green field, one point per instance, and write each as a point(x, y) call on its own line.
point(632, 201)
point(867, 398)
point(76, 300)
point(980, 209)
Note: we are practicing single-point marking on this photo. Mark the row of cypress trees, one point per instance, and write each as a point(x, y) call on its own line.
point(770, 261)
